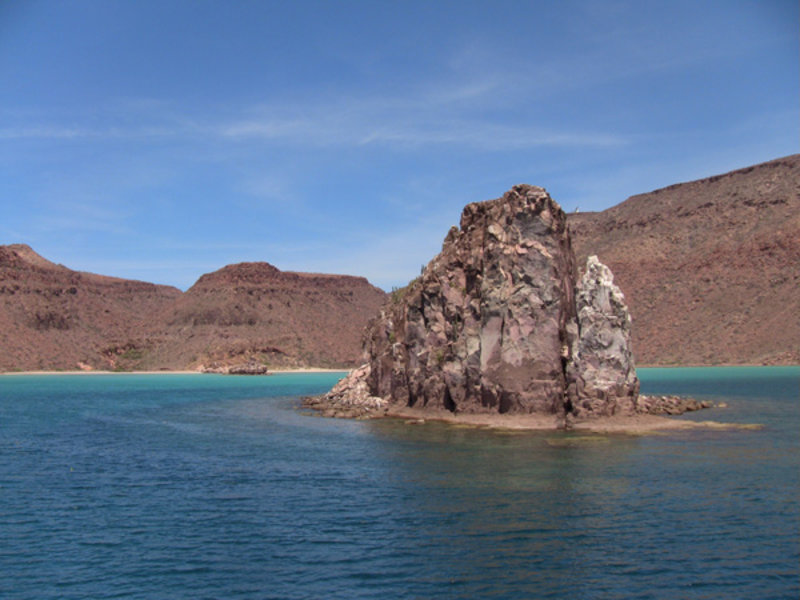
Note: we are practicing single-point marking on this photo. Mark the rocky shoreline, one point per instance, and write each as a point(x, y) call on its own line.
point(350, 399)
point(502, 329)
point(637, 424)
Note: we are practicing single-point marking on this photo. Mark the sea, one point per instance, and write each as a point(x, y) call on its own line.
point(217, 487)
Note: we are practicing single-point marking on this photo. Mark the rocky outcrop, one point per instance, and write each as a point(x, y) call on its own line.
point(350, 398)
point(249, 368)
point(601, 371)
point(498, 323)
point(485, 326)
point(670, 405)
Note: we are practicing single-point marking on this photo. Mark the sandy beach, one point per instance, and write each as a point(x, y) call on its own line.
point(184, 372)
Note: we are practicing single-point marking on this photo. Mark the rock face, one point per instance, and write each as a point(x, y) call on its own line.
point(709, 268)
point(601, 365)
point(497, 323)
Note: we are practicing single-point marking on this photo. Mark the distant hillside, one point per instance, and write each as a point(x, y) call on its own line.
point(54, 318)
point(710, 269)
point(253, 311)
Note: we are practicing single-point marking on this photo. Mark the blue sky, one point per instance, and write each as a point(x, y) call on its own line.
point(160, 140)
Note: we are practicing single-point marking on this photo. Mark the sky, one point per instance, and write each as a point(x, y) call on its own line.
point(160, 140)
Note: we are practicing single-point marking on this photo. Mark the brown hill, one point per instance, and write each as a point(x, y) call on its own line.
point(54, 318)
point(710, 268)
point(253, 311)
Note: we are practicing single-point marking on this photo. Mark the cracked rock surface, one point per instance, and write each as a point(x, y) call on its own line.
point(499, 322)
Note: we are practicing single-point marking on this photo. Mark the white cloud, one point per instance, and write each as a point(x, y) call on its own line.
point(470, 112)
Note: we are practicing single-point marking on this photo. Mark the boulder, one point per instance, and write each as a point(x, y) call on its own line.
point(350, 398)
point(249, 368)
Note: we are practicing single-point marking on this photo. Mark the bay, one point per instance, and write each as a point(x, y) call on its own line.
point(204, 486)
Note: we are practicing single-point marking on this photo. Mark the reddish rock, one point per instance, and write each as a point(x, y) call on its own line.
point(54, 318)
point(492, 324)
point(253, 312)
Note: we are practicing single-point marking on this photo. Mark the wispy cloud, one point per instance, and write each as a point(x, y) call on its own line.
point(58, 132)
point(470, 113)
point(83, 216)
point(371, 122)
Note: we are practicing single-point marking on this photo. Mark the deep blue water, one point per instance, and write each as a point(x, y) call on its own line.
point(203, 486)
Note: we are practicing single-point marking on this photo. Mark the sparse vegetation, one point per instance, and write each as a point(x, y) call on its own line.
point(132, 353)
point(439, 357)
point(399, 294)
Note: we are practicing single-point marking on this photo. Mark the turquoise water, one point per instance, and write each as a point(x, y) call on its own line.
point(203, 486)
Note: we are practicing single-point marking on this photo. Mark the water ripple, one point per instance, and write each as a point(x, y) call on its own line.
point(173, 491)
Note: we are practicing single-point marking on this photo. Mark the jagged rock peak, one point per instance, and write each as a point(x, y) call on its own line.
point(492, 324)
point(601, 369)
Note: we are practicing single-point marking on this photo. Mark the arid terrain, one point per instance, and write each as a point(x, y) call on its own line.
point(710, 269)
point(53, 318)
point(254, 312)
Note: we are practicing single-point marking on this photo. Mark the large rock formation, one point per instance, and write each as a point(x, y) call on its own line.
point(498, 323)
point(709, 268)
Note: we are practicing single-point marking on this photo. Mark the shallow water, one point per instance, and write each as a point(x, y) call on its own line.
point(204, 486)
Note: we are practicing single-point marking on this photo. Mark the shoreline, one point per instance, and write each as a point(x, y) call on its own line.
point(321, 370)
point(177, 372)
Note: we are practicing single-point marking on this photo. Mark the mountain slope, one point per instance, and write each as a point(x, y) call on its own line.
point(710, 268)
point(253, 311)
point(54, 318)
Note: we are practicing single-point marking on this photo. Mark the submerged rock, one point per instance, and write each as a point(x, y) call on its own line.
point(498, 323)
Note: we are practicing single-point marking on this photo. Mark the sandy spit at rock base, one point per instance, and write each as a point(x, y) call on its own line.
point(627, 425)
